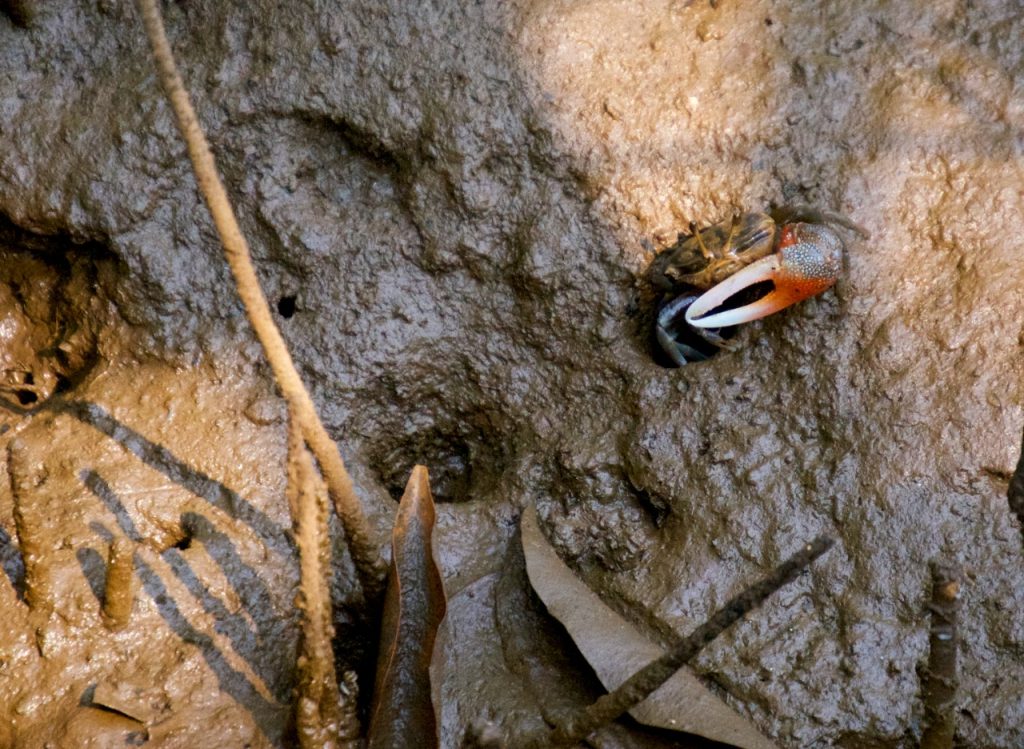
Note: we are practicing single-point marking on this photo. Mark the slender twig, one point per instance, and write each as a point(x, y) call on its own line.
point(365, 551)
point(1015, 494)
point(318, 701)
point(634, 690)
point(940, 679)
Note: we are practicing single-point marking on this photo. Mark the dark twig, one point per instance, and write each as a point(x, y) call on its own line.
point(1015, 494)
point(940, 680)
point(634, 690)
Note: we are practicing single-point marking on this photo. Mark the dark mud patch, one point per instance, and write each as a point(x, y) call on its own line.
point(465, 463)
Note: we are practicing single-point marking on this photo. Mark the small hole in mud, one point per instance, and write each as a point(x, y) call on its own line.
point(63, 384)
point(684, 334)
point(768, 22)
point(657, 507)
point(26, 397)
point(183, 543)
point(286, 306)
point(30, 378)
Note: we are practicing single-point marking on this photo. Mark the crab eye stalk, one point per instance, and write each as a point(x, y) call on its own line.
point(807, 263)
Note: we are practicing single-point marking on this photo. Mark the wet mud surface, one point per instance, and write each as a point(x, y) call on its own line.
point(452, 207)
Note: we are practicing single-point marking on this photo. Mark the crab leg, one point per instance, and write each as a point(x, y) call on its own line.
point(807, 262)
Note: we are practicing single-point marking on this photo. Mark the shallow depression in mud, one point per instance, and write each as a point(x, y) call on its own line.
point(465, 463)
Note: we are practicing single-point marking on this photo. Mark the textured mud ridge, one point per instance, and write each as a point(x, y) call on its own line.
point(454, 207)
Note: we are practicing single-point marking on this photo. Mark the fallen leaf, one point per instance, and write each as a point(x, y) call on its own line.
point(414, 605)
point(616, 650)
point(472, 679)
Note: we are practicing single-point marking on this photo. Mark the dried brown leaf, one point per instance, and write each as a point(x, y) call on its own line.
point(414, 605)
point(616, 650)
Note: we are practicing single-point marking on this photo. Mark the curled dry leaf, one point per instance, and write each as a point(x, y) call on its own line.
point(414, 605)
point(616, 650)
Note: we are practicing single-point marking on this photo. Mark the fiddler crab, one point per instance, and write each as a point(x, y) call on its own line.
point(761, 262)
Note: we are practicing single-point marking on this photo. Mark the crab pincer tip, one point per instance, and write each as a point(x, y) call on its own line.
point(802, 269)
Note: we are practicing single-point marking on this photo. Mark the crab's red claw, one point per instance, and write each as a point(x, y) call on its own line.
point(807, 262)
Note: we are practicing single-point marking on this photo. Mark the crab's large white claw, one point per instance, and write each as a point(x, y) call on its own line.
point(807, 263)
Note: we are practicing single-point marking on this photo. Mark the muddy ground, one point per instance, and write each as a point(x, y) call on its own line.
point(452, 206)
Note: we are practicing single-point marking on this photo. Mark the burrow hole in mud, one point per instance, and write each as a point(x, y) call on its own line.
point(465, 462)
point(26, 397)
point(52, 306)
point(681, 331)
point(286, 306)
point(178, 537)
